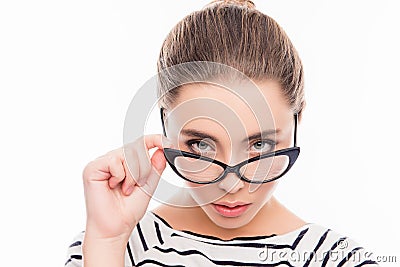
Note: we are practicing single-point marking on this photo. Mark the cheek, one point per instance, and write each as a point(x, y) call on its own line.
point(262, 193)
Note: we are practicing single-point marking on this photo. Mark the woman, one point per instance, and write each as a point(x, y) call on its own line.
point(231, 96)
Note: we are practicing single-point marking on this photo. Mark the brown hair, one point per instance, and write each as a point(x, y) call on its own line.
point(234, 33)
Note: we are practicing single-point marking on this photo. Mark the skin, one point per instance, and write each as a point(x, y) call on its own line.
point(118, 185)
point(116, 198)
point(265, 214)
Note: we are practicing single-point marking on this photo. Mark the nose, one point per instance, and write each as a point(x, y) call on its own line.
point(231, 183)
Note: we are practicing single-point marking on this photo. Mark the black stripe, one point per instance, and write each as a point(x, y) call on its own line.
point(158, 233)
point(245, 238)
point(214, 237)
point(298, 239)
point(128, 246)
point(255, 245)
point(162, 219)
point(247, 245)
point(249, 238)
point(145, 247)
point(153, 262)
point(366, 262)
point(328, 253)
point(77, 243)
point(321, 240)
point(77, 257)
point(348, 256)
point(219, 262)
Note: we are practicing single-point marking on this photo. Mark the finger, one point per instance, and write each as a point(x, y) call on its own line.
point(131, 161)
point(143, 146)
point(158, 164)
point(116, 169)
point(158, 161)
point(143, 159)
point(129, 182)
point(141, 195)
point(97, 170)
point(156, 140)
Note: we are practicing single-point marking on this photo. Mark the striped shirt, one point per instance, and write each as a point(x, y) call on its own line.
point(155, 243)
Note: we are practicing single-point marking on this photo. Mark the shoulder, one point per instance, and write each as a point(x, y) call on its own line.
point(154, 241)
point(318, 245)
point(309, 245)
point(149, 232)
point(145, 235)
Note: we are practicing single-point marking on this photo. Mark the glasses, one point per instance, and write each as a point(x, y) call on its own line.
point(260, 169)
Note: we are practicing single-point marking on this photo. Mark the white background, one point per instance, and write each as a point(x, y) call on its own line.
point(69, 69)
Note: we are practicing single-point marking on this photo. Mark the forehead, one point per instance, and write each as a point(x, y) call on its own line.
point(250, 106)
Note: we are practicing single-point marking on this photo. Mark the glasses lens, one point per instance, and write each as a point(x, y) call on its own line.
point(197, 170)
point(265, 169)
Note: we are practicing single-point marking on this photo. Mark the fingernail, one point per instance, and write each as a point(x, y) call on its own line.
point(129, 190)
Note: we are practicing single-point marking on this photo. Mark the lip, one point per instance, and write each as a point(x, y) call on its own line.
point(230, 209)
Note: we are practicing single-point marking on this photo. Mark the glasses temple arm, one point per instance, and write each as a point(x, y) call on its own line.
point(162, 121)
point(295, 129)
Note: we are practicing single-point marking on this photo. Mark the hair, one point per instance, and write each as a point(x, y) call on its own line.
point(233, 33)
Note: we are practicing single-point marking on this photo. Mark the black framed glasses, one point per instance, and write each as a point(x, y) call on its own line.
point(260, 169)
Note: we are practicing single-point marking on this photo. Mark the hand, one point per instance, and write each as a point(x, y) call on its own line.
point(116, 198)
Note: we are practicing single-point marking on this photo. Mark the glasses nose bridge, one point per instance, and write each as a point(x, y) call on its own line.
point(232, 169)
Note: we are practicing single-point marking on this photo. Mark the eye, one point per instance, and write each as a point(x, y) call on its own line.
point(262, 146)
point(200, 146)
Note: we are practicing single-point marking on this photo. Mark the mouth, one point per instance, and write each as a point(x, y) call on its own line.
point(230, 209)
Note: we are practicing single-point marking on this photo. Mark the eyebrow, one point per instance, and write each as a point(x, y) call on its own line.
point(199, 134)
point(261, 134)
point(203, 135)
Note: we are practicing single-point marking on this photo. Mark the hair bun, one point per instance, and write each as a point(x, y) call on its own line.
point(245, 3)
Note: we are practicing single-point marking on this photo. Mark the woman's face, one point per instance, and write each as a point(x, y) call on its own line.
point(216, 122)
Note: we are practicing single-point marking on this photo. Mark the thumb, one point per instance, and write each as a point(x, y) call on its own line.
point(158, 161)
point(148, 186)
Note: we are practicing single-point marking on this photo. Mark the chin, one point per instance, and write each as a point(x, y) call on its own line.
point(207, 197)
